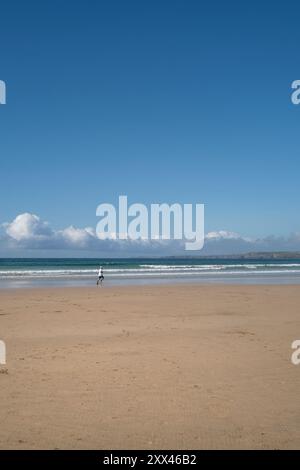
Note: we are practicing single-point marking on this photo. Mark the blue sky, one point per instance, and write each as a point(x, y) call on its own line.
point(165, 101)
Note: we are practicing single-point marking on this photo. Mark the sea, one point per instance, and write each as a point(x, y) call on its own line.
point(44, 272)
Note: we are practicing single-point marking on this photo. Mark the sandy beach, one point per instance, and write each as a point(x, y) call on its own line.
point(179, 367)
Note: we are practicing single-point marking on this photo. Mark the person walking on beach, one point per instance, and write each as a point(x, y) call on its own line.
point(100, 276)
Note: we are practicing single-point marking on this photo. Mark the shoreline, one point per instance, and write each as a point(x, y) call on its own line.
point(249, 279)
point(132, 287)
point(18, 273)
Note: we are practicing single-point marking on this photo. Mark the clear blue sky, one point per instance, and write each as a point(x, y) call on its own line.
point(164, 101)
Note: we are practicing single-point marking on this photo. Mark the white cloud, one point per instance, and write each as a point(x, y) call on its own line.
point(28, 235)
point(27, 227)
point(78, 237)
point(222, 234)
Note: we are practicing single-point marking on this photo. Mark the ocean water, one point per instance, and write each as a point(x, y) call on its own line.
point(75, 272)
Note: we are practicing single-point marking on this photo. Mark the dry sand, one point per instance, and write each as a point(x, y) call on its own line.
point(179, 367)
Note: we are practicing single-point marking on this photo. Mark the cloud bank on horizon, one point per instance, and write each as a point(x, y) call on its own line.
point(29, 235)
